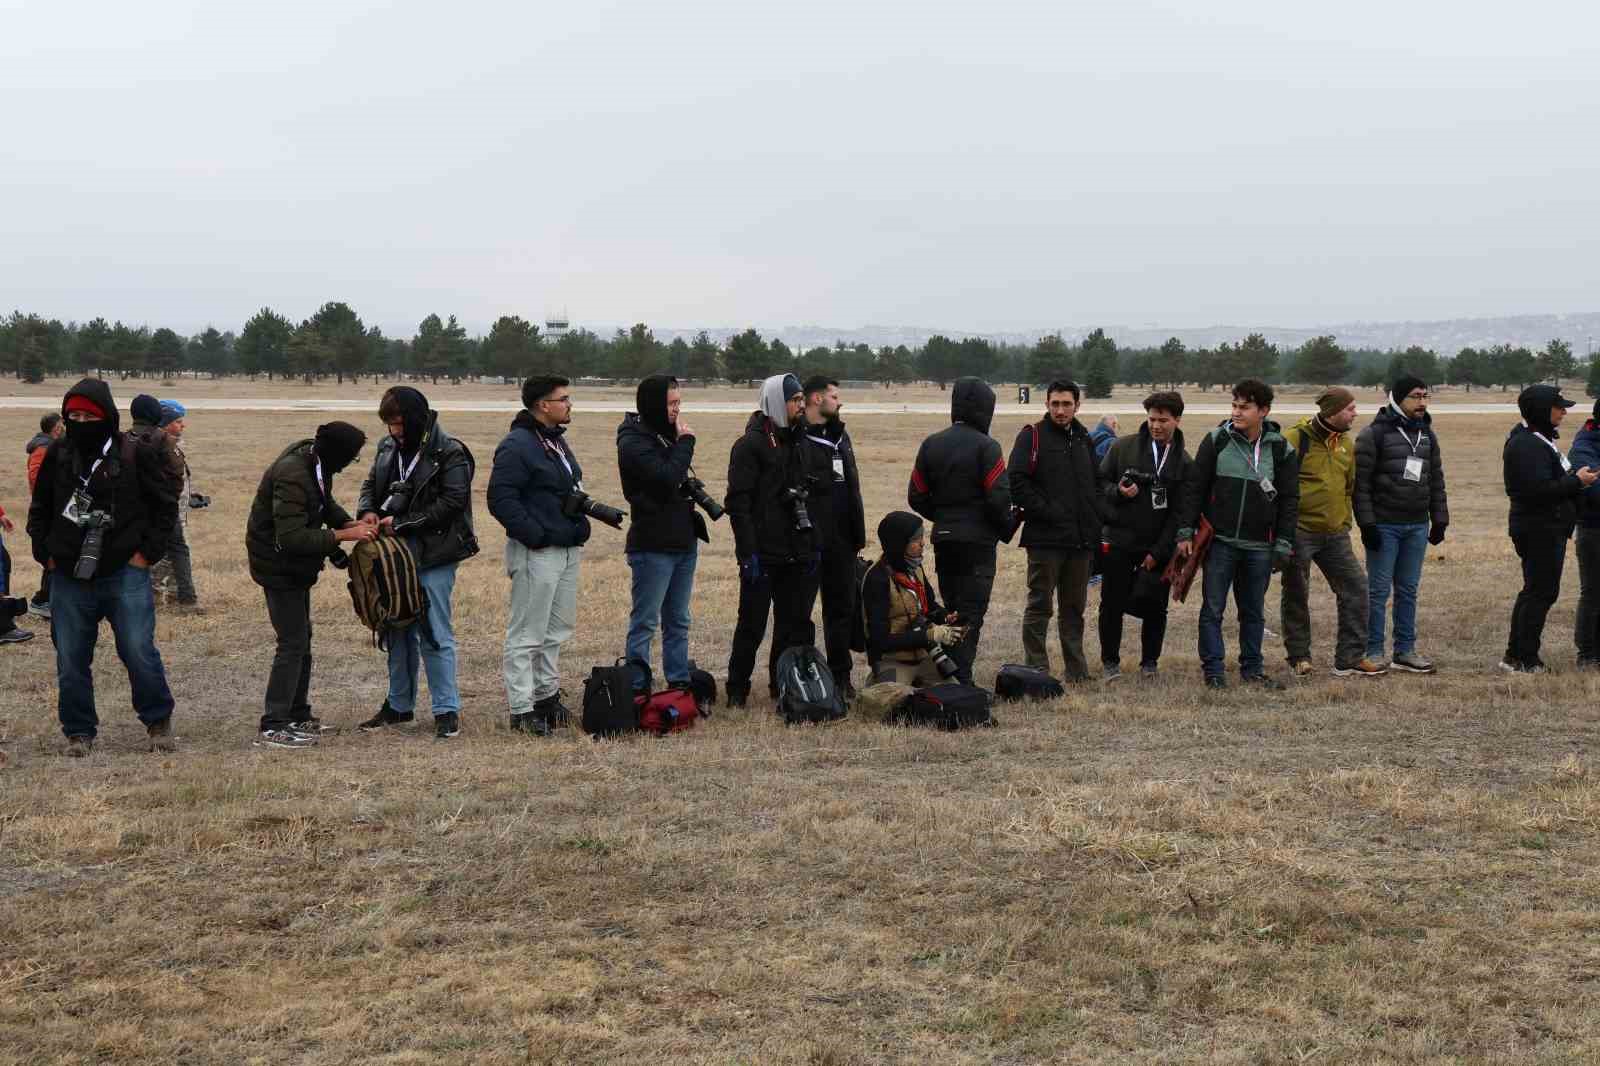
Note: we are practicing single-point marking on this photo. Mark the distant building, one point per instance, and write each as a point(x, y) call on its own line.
point(557, 326)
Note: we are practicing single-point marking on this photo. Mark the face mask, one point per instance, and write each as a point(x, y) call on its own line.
point(87, 438)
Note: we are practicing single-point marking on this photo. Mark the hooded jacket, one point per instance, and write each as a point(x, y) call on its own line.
point(763, 465)
point(1543, 492)
point(1327, 475)
point(836, 503)
point(959, 481)
point(1102, 437)
point(289, 533)
point(1060, 493)
point(654, 461)
point(897, 597)
point(143, 501)
point(528, 483)
point(1585, 451)
point(1136, 525)
point(1226, 487)
point(36, 447)
point(1383, 495)
point(437, 517)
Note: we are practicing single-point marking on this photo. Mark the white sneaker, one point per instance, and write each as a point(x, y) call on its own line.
point(284, 738)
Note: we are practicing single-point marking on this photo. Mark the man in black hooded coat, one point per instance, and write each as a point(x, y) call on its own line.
point(959, 483)
point(655, 448)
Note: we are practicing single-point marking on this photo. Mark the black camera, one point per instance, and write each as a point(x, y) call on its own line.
point(581, 503)
point(797, 498)
point(198, 500)
point(399, 499)
point(941, 659)
point(94, 525)
point(1131, 476)
point(695, 489)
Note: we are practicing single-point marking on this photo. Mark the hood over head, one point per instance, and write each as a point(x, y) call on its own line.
point(972, 402)
point(1535, 402)
point(898, 529)
point(338, 444)
point(414, 412)
point(775, 393)
point(651, 401)
point(93, 395)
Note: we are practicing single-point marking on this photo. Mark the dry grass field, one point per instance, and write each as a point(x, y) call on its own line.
point(1350, 871)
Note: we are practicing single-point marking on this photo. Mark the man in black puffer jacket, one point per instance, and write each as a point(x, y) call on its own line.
point(420, 488)
point(837, 509)
point(1400, 508)
point(959, 484)
point(655, 448)
point(1544, 488)
point(1054, 484)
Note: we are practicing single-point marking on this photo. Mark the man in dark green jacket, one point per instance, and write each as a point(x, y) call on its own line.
point(1246, 483)
point(295, 525)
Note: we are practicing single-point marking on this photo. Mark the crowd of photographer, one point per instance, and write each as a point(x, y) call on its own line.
point(1253, 500)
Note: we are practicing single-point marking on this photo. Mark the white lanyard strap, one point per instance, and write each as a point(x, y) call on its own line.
point(323, 493)
point(824, 441)
point(1161, 457)
point(1418, 442)
point(406, 468)
point(1566, 464)
point(555, 449)
point(1255, 463)
point(84, 481)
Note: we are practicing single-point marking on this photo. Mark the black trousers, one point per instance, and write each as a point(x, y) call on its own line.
point(1543, 555)
point(966, 581)
point(839, 606)
point(42, 597)
point(1118, 568)
point(290, 679)
point(1586, 631)
point(790, 593)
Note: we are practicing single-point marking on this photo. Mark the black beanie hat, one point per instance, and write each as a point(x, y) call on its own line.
point(338, 444)
point(651, 398)
point(145, 408)
point(1403, 387)
point(898, 529)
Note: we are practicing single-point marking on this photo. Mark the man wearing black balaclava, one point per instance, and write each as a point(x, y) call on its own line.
point(103, 507)
point(1544, 487)
point(655, 448)
point(420, 488)
point(295, 525)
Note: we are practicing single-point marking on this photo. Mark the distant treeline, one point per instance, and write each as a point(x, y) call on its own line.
point(335, 344)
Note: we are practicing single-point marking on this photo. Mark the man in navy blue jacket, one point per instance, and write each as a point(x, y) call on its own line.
point(534, 473)
point(1585, 452)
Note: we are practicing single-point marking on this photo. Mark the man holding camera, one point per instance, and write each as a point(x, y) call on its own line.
point(837, 509)
point(1144, 476)
point(655, 453)
point(103, 508)
point(959, 484)
point(536, 493)
point(1246, 484)
point(771, 474)
point(420, 489)
point(295, 525)
point(1053, 484)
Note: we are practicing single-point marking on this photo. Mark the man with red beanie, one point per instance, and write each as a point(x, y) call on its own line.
point(102, 510)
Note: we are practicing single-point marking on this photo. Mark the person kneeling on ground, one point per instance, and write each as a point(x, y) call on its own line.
point(287, 545)
point(905, 621)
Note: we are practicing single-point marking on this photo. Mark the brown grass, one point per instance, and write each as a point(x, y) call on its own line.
point(1348, 872)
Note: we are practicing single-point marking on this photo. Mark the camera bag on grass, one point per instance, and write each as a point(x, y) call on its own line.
point(949, 706)
point(613, 699)
point(806, 692)
point(704, 687)
point(1016, 682)
point(671, 710)
point(384, 587)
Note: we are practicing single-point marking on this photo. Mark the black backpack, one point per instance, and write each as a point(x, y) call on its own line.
point(1015, 682)
point(806, 692)
point(950, 706)
point(612, 698)
point(704, 687)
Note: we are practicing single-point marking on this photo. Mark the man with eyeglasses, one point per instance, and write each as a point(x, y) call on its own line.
point(1400, 508)
point(534, 472)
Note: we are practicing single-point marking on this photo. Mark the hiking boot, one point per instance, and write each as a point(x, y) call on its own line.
point(1364, 668)
point(1110, 672)
point(532, 723)
point(78, 747)
point(161, 738)
point(16, 636)
point(1216, 681)
point(386, 715)
point(1303, 668)
point(447, 725)
point(1263, 681)
point(40, 610)
point(284, 738)
point(737, 695)
point(553, 711)
point(1412, 663)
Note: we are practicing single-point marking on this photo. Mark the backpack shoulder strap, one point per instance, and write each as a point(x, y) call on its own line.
point(1033, 458)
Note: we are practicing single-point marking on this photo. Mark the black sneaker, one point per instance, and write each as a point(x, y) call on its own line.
point(386, 716)
point(532, 723)
point(447, 725)
point(553, 711)
point(16, 636)
point(737, 695)
point(39, 610)
point(1216, 681)
point(313, 727)
point(161, 738)
point(1263, 681)
point(284, 738)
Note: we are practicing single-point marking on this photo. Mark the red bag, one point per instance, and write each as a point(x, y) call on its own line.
point(669, 711)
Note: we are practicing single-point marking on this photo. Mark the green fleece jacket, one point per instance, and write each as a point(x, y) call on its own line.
point(1327, 476)
point(1225, 485)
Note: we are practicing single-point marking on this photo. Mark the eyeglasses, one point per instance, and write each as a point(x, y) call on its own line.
point(558, 399)
point(1417, 396)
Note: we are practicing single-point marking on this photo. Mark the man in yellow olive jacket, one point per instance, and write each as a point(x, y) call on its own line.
point(1322, 535)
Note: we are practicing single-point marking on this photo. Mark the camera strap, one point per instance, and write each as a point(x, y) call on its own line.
point(556, 449)
point(105, 451)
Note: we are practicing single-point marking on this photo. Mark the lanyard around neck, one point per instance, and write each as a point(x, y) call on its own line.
point(84, 480)
point(1160, 457)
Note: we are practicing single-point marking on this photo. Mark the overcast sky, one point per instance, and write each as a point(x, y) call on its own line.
point(993, 166)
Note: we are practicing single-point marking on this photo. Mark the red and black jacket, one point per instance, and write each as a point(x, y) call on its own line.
point(959, 482)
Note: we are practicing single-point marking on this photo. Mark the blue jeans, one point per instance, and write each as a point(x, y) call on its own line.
point(124, 599)
point(1397, 564)
point(430, 644)
point(1247, 573)
point(662, 585)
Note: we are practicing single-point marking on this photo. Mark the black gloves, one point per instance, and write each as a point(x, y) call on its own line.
point(1280, 561)
point(1436, 534)
point(1371, 539)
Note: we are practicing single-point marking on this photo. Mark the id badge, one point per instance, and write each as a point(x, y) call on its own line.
point(80, 504)
point(1158, 498)
point(1413, 468)
point(838, 468)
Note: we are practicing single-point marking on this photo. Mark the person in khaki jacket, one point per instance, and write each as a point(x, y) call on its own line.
point(905, 621)
point(1322, 536)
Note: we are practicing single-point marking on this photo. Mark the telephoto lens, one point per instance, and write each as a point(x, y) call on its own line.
point(947, 666)
point(580, 502)
point(695, 489)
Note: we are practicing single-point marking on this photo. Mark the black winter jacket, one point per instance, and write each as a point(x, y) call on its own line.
point(529, 482)
point(1382, 493)
point(437, 519)
point(653, 469)
point(144, 500)
point(1135, 525)
point(290, 530)
point(1060, 495)
point(959, 482)
point(1543, 494)
point(847, 530)
point(763, 465)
